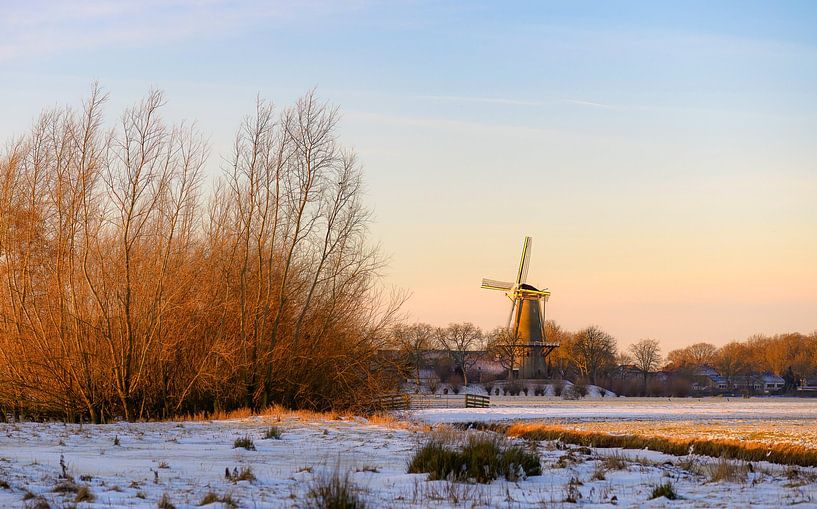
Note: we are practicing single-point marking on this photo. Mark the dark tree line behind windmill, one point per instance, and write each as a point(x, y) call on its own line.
point(592, 356)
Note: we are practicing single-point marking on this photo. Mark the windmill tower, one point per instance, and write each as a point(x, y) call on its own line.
point(526, 323)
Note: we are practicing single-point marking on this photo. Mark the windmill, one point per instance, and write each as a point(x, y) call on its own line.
point(526, 322)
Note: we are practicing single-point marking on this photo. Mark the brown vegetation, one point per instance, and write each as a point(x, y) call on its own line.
point(786, 454)
point(126, 291)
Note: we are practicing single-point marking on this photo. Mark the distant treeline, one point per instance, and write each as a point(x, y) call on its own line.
point(591, 355)
point(133, 287)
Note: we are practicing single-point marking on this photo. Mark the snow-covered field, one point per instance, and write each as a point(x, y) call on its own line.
point(186, 461)
point(518, 407)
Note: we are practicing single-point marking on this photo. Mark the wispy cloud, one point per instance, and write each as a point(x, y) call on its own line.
point(44, 27)
point(515, 102)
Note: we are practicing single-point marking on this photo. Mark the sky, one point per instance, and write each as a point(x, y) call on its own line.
point(663, 156)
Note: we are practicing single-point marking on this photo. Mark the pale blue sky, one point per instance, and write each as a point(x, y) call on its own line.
point(664, 158)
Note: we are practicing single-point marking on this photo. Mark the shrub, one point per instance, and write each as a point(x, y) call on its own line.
point(539, 390)
point(334, 492)
point(481, 458)
point(664, 490)
point(580, 388)
point(557, 387)
point(273, 433)
point(437, 460)
point(514, 388)
point(244, 442)
point(569, 393)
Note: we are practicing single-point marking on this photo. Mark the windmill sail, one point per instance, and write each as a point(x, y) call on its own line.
point(524, 263)
point(493, 284)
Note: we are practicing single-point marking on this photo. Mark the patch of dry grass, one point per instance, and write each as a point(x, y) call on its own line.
point(785, 454)
point(725, 470)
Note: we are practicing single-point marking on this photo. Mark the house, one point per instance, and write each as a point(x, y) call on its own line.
point(709, 382)
point(762, 383)
point(772, 382)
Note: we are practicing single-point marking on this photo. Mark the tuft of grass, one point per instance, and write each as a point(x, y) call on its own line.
point(116, 440)
point(4, 484)
point(615, 462)
point(334, 492)
point(165, 503)
point(244, 442)
point(65, 487)
point(725, 470)
point(227, 500)
point(572, 492)
point(245, 474)
point(481, 458)
point(664, 490)
point(209, 498)
point(785, 454)
point(37, 503)
point(367, 468)
point(273, 433)
point(84, 494)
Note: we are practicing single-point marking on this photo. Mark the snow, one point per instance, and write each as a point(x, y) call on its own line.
point(517, 408)
point(196, 455)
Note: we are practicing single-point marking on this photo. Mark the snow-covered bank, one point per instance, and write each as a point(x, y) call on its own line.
point(186, 461)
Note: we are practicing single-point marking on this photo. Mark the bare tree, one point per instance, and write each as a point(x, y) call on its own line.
point(506, 347)
point(732, 361)
point(414, 341)
point(119, 296)
point(647, 356)
point(693, 356)
point(593, 351)
point(561, 360)
point(461, 341)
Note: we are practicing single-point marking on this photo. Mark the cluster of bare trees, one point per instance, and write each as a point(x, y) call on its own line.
point(463, 342)
point(592, 355)
point(130, 286)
